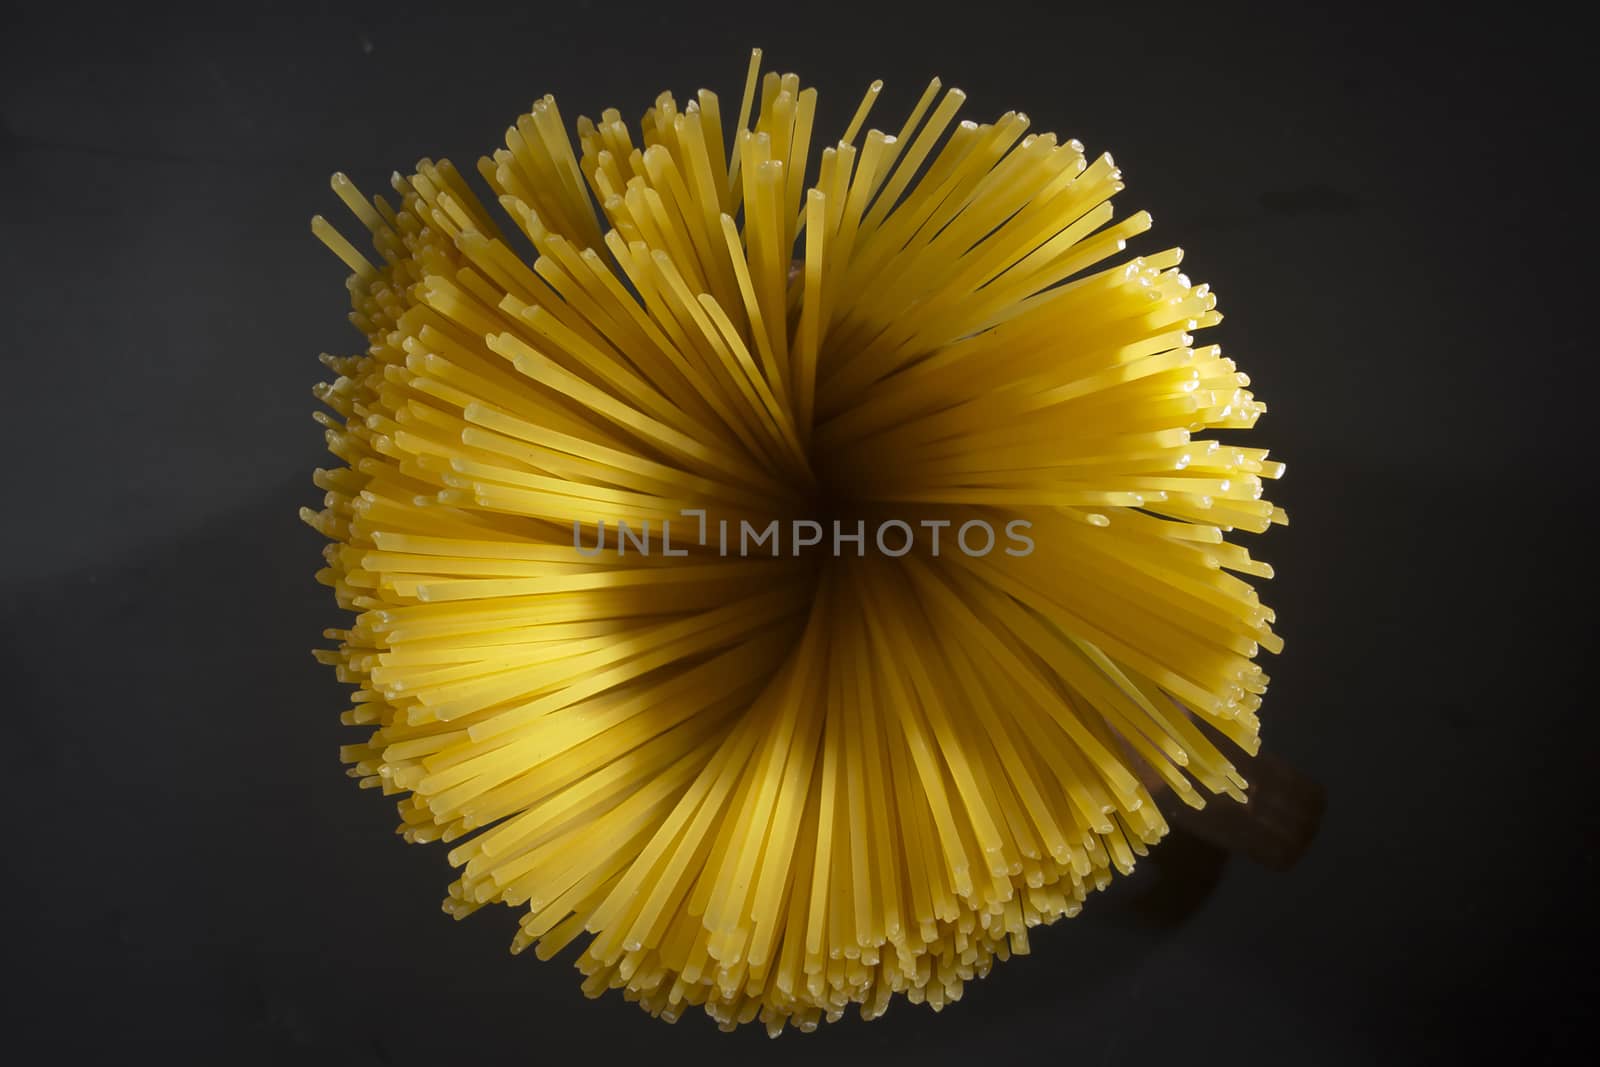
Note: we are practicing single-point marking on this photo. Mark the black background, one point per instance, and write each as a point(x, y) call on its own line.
point(1391, 209)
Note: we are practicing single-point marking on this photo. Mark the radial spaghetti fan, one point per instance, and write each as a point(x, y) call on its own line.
point(862, 752)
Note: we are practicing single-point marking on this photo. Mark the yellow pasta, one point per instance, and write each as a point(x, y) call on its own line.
point(858, 760)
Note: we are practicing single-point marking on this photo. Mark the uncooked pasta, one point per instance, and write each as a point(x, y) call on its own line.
point(783, 570)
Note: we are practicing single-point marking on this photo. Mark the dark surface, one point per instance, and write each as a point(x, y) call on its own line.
point(1392, 224)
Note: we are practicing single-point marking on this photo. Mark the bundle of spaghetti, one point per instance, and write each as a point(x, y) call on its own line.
point(776, 785)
